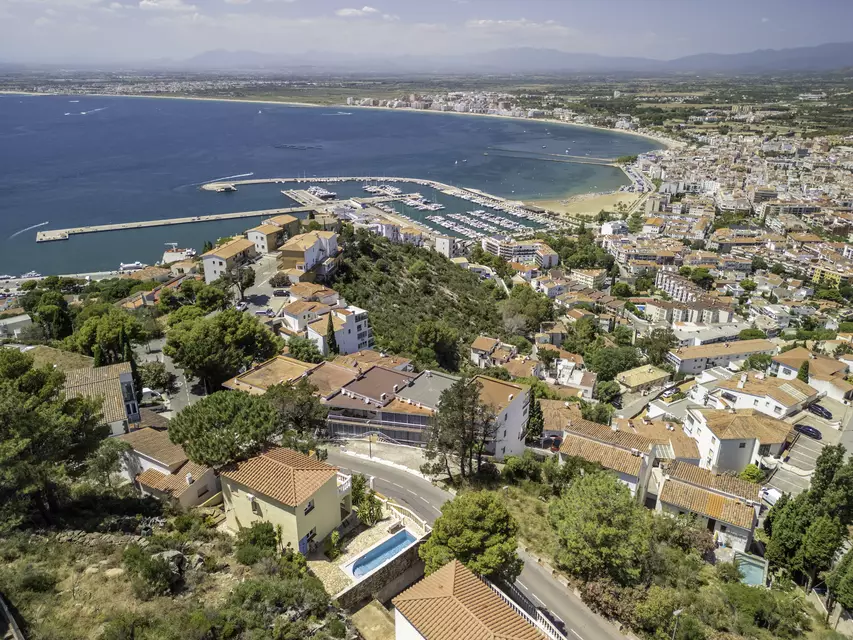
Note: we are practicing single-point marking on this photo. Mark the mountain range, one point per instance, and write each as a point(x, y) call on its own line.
point(825, 57)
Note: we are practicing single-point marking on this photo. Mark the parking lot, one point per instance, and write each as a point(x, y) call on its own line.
point(260, 295)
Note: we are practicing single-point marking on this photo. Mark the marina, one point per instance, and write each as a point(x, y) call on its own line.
point(497, 215)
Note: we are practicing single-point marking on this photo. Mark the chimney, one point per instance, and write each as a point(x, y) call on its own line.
point(510, 397)
point(395, 388)
point(742, 382)
point(614, 427)
point(383, 396)
point(189, 478)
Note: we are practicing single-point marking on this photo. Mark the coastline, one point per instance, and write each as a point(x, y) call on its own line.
point(667, 143)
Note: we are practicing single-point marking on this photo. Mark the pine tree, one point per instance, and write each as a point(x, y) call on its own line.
point(803, 373)
point(330, 336)
point(536, 421)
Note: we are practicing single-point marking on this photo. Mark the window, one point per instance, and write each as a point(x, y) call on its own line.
point(504, 433)
point(309, 507)
point(256, 508)
point(742, 445)
point(312, 534)
point(723, 528)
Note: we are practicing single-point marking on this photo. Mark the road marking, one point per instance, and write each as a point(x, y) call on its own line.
point(395, 484)
point(522, 585)
point(576, 633)
point(412, 492)
point(539, 599)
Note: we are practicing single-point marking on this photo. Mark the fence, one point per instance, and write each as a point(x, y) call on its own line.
point(406, 516)
point(539, 620)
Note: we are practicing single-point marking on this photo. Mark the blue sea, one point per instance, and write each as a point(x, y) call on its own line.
point(68, 161)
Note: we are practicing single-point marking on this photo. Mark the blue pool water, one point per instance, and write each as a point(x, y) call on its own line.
point(752, 568)
point(382, 553)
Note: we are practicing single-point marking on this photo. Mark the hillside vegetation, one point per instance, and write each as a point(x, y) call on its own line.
point(418, 300)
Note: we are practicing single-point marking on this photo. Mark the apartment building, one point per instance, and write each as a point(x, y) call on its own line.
point(351, 329)
point(590, 278)
point(826, 375)
point(679, 288)
point(730, 439)
point(266, 237)
point(775, 397)
point(227, 256)
point(521, 251)
point(289, 224)
point(446, 246)
point(310, 257)
point(694, 360)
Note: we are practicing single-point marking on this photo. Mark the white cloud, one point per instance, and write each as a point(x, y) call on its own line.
point(357, 13)
point(166, 5)
point(42, 21)
point(765, 19)
point(238, 1)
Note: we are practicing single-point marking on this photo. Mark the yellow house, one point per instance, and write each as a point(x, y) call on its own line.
point(303, 496)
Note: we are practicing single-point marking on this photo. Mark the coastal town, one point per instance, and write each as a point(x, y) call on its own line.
point(398, 408)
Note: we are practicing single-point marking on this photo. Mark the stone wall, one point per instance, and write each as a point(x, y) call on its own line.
point(399, 574)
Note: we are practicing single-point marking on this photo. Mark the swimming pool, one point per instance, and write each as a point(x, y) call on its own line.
point(753, 569)
point(381, 553)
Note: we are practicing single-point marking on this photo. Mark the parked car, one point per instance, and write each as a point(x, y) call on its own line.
point(808, 430)
point(241, 306)
point(728, 396)
point(818, 410)
point(280, 293)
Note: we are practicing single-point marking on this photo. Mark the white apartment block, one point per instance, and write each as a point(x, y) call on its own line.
point(219, 259)
point(351, 327)
point(590, 278)
point(511, 404)
point(693, 360)
point(446, 246)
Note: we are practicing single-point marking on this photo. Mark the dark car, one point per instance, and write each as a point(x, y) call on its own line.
point(808, 430)
point(818, 410)
point(279, 293)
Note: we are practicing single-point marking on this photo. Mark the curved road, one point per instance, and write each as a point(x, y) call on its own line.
point(425, 499)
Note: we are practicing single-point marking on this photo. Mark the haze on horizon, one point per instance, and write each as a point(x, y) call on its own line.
point(116, 31)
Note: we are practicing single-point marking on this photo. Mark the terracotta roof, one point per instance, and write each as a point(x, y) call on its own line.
point(737, 347)
point(609, 435)
point(520, 367)
point(100, 382)
point(320, 326)
point(156, 445)
point(454, 604)
point(818, 364)
point(644, 374)
point(282, 220)
point(174, 484)
point(329, 378)
point(278, 370)
point(149, 418)
point(484, 343)
point(707, 503)
point(746, 424)
point(285, 475)
point(557, 413)
point(692, 474)
point(301, 306)
point(230, 249)
point(786, 392)
point(266, 229)
point(305, 290)
point(367, 358)
point(495, 393)
point(683, 446)
point(606, 455)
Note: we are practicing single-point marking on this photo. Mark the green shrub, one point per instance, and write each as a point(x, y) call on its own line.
point(333, 545)
point(260, 534)
point(337, 629)
point(150, 576)
point(35, 579)
point(250, 554)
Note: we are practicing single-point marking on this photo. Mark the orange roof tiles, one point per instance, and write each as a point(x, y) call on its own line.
point(285, 475)
point(608, 456)
point(454, 604)
point(707, 503)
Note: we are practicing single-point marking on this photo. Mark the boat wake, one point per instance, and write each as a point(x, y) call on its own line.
point(239, 175)
point(85, 113)
point(35, 226)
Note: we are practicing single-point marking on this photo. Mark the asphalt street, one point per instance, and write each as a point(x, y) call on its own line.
point(425, 499)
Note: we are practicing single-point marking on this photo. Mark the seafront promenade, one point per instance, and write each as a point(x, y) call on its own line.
point(54, 235)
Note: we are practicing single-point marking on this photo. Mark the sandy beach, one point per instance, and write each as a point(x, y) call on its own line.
point(588, 204)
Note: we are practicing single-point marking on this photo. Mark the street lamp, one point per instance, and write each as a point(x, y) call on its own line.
point(675, 614)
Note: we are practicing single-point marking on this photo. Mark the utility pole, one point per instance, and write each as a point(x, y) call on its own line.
point(675, 614)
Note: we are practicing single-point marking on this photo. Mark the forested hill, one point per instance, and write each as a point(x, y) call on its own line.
point(416, 297)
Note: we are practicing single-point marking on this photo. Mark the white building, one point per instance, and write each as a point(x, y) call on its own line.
point(694, 360)
point(729, 440)
point(446, 246)
point(351, 327)
point(12, 327)
point(266, 237)
point(510, 403)
point(224, 257)
point(775, 397)
point(614, 228)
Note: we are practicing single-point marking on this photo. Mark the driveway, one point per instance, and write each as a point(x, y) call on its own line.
point(189, 391)
point(540, 587)
point(804, 453)
point(259, 295)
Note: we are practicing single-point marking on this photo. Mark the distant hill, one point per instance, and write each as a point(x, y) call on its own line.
point(825, 57)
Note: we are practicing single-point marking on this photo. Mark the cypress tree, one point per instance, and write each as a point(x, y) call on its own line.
point(331, 340)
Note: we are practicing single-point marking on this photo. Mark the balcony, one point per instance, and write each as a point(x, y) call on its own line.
point(344, 484)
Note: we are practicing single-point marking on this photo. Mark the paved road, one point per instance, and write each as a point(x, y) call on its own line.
point(425, 499)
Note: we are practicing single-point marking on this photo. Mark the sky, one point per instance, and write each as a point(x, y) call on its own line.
point(118, 31)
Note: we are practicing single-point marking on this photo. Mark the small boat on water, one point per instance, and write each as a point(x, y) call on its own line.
point(31, 274)
point(126, 267)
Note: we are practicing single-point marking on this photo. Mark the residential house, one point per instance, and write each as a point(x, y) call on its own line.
point(775, 397)
point(670, 441)
point(642, 378)
point(304, 498)
point(510, 402)
point(290, 225)
point(826, 375)
point(724, 504)
point(523, 367)
point(351, 328)
point(160, 468)
point(490, 352)
point(310, 257)
point(366, 358)
point(278, 370)
point(454, 603)
point(227, 256)
point(113, 386)
point(694, 360)
point(13, 327)
point(729, 440)
point(266, 237)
